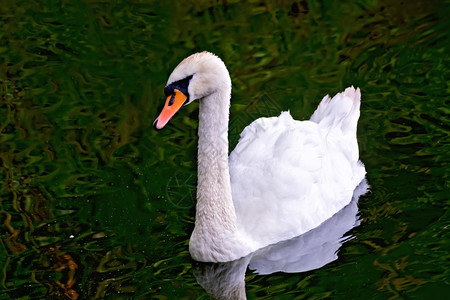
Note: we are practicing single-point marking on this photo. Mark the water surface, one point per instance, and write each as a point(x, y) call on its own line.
point(95, 204)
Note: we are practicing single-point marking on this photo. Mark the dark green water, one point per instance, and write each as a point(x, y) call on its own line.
point(96, 204)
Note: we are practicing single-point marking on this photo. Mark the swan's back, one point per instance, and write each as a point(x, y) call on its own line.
point(288, 177)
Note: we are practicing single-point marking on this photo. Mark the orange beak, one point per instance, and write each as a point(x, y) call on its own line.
point(173, 103)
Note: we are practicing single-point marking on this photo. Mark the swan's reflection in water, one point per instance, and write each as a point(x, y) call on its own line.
point(309, 251)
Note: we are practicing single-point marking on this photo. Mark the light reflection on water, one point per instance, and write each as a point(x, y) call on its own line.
point(88, 198)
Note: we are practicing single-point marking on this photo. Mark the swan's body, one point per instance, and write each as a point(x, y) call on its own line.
point(284, 177)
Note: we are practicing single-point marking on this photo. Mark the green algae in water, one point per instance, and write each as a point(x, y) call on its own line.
point(95, 203)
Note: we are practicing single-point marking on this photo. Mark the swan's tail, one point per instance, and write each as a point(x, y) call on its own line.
point(341, 111)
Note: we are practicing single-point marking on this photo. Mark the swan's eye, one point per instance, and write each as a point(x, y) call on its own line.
point(168, 90)
point(181, 85)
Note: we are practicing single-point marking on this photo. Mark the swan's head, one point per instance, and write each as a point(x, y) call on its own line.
point(196, 77)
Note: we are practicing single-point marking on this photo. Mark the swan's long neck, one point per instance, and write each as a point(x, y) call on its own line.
point(214, 203)
point(215, 213)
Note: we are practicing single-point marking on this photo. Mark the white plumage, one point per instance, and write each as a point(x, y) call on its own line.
point(284, 178)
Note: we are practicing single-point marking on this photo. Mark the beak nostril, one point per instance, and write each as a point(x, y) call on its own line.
point(171, 101)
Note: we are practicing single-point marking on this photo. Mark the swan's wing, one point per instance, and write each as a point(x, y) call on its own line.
point(340, 112)
point(287, 178)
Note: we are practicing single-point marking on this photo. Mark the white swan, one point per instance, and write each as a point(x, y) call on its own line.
point(284, 177)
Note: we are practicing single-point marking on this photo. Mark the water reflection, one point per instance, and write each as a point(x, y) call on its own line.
point(309, 251)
